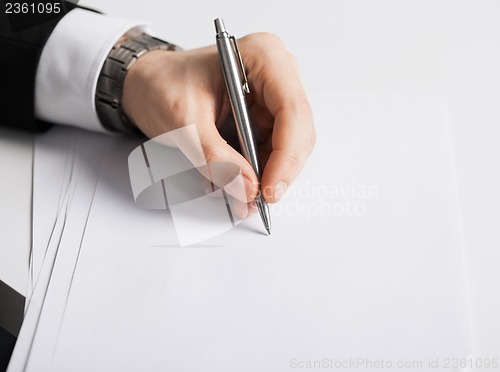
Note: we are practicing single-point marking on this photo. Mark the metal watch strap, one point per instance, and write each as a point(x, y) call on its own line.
point(108, 98)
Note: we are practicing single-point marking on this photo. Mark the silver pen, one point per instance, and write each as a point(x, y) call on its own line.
point(237, 87)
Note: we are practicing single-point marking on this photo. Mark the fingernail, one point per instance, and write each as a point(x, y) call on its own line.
point(248, 187)
point(237, 189)
point(241, 210)
point(279, 190)
point(252, 208)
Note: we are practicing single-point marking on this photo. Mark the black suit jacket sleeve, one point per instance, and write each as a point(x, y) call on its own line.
point(19, 55)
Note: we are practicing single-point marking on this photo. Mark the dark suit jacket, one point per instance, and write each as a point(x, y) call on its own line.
point(19, 55)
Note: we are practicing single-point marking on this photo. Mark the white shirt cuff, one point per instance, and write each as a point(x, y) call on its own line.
point(70, 64)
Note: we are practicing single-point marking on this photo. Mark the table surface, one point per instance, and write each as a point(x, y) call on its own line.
point(449, 48)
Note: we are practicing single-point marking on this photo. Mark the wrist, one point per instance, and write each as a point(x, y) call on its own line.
point(138, 85)
point(110, 86)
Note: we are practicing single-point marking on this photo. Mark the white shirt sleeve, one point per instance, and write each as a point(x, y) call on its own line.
point(70, 64)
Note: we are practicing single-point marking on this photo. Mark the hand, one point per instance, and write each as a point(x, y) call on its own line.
point(167, 90)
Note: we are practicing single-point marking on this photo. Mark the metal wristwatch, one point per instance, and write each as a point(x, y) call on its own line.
point(108, 97)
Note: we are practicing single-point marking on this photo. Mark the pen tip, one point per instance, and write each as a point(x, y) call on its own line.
point(268, 229)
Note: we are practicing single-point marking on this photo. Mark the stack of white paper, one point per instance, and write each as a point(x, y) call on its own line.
point(363, 269)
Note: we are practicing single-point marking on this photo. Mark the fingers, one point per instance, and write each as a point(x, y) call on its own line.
point(274, 76)
point(292, 141)
point(188, 88)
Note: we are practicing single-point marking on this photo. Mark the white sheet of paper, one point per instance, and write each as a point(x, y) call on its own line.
point(52, 169)
point(364, 262)
point(57, 234)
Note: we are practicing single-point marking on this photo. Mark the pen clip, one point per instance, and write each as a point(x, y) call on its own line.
point(246, 87)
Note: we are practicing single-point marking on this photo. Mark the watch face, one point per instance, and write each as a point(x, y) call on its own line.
point(25, 14)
